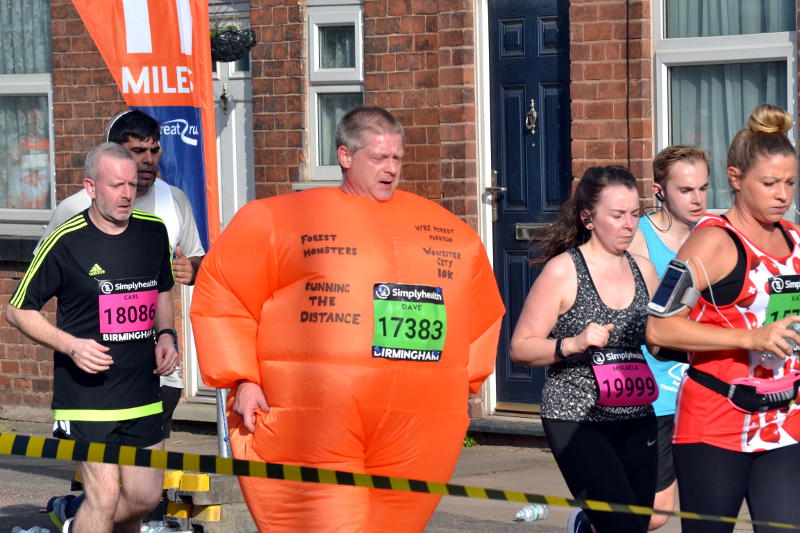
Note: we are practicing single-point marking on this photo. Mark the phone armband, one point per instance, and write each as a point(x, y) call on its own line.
point(675, 292)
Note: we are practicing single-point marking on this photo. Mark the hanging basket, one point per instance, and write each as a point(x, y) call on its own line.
point(232, 45)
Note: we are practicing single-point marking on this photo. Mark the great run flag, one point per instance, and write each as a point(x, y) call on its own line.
point(159, 54)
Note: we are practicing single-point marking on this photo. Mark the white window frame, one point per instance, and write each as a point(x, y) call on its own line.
point(744, 48)
point(30, 222)
point(323, 13)
point(323, 172)
point(320, 17)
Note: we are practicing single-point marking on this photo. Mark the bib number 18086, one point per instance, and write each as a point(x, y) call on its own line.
point(128, 311)
point(130, 314)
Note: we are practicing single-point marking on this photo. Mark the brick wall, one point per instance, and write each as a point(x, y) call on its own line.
point(418, 63)
point(84, 96)
point(457, 112)
point(26, 369)
point(611, 94)
point(418, 59)
point(278, 64)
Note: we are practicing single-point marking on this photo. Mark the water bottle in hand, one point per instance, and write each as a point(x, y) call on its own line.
point(772, 361)
point(533, 512)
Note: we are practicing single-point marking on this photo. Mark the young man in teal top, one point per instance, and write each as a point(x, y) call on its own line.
point(680, 183)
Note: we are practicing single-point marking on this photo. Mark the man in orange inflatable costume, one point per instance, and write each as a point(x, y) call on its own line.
point(351, 324)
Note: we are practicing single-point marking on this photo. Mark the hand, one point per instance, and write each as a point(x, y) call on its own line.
point(771, 338)
point(594, 335)
point(90, 356)
point(182, 268)
point(166, 356)
point(249, 399)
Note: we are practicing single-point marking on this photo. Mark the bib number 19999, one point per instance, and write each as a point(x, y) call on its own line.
point(623, 378)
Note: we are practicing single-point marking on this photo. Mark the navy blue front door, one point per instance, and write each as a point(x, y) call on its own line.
point(529, 47)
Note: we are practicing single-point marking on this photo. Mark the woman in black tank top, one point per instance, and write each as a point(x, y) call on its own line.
point(586, 308)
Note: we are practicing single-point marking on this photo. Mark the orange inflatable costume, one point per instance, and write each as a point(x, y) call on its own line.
point(366, 324)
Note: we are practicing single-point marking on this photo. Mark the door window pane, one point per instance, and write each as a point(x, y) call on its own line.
point(708, 18)
point(24, 152)
point(337, 46)
point(332, 107)
point(709, 104)
point(243, 64)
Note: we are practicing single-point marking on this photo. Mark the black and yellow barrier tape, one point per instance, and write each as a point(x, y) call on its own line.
point(68, 450)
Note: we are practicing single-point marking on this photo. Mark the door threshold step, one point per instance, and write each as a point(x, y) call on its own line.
point(508, 425)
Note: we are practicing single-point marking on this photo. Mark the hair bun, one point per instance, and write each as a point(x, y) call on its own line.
point(767, 118)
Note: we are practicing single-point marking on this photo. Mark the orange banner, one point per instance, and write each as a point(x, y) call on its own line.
point(159, 54)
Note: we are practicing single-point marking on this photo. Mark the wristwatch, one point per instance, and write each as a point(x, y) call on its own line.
point(559, 352)
point(171, 332)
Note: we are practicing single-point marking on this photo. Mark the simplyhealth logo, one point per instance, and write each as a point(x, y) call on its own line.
point(181, 127)
point(382, 291)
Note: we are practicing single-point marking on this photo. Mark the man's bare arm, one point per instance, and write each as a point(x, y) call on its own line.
point(166, 347)
point(88, 354)
point(185, 268)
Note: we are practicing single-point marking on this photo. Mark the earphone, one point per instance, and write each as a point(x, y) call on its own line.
point(114, 121)
point(661, 198)
point(587, 220)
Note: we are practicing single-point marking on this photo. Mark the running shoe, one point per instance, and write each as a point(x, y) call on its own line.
point(578, 522)
point(57, 510)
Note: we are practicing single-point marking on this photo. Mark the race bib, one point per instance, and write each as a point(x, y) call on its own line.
point(784, 298)
point(623, 377)
point(410, 322)
point(127, 309)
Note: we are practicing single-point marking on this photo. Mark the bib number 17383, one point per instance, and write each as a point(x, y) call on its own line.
point(410, 322)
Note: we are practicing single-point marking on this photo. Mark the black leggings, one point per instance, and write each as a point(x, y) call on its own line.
point(608, 461)
point(715, 481)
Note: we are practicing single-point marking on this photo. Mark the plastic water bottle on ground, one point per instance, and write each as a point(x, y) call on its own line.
point(533, 512)
point(155, 526)
point(159, 526)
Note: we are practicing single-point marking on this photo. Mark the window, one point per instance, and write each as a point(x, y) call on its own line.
point(714, 62)
point(336, 78)
point(26, 162)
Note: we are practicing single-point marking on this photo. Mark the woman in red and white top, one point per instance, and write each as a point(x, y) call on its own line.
point(724, 454)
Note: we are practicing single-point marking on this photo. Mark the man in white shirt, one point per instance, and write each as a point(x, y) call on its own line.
point(140, 134)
